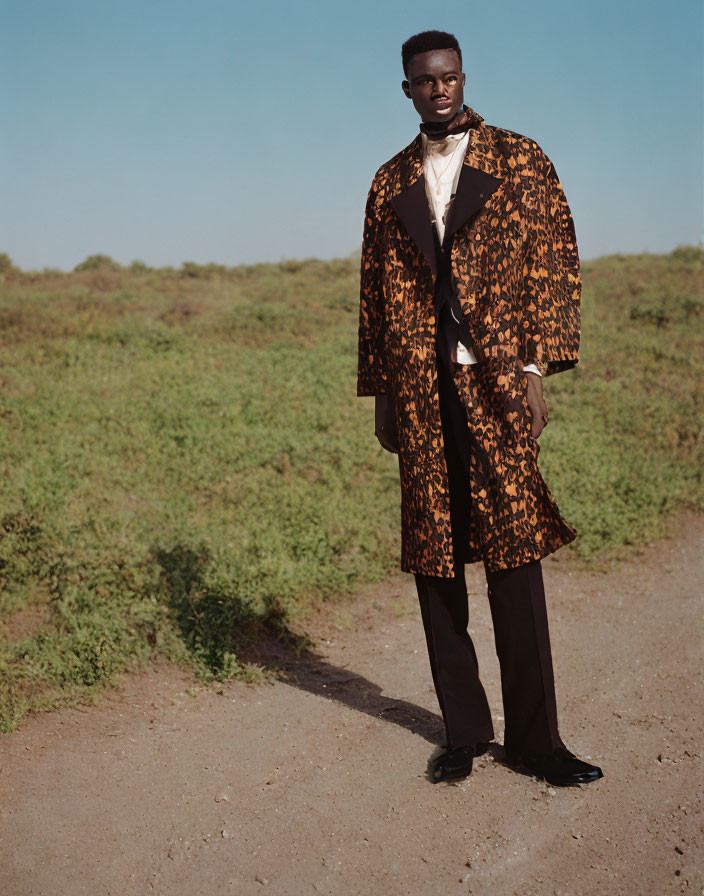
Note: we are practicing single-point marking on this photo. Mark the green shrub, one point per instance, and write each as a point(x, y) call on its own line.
point(98, 263)
point(6, 265)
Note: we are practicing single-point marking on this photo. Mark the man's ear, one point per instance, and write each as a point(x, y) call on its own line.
point(406, 88)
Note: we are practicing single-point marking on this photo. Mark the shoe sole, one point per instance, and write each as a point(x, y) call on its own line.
point(574, 782)
point(583, 779)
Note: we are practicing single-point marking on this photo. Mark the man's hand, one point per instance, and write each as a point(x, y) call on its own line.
point(385, 423)
point(536, 403)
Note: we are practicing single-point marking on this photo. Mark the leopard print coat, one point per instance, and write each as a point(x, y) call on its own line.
point(515, 274)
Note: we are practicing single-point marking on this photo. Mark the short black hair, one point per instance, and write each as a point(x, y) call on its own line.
point(428, 40)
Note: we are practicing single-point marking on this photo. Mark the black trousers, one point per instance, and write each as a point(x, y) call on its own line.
point(519, 615)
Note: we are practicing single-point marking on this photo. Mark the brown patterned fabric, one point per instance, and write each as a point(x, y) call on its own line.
point(515, 273)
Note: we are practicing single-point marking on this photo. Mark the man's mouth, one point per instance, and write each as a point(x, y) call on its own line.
point(442, 102)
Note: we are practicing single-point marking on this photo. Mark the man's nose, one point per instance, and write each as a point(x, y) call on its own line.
point(438, 88)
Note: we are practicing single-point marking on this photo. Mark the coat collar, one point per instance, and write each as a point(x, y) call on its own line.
point(484, 169)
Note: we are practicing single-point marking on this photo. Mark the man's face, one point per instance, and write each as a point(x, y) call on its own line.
point(435, 84)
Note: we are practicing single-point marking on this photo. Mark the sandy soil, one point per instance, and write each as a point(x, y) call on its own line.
point(319, 784)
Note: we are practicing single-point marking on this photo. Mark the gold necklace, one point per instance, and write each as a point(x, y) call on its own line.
point(438, 186)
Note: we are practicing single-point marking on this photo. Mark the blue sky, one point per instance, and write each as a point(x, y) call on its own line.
point(219, 131)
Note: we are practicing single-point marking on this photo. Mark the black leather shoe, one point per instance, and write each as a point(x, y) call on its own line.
point(560, 767)
point(456, 764)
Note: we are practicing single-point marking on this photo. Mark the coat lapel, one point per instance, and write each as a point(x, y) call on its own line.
point(411, 203)
point(474, 188)
point(483, 171)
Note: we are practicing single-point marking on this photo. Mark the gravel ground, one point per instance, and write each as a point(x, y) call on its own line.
point(318, 783)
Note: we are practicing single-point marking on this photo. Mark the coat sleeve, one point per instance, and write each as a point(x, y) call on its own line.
point(550, 314)
point(372, 371)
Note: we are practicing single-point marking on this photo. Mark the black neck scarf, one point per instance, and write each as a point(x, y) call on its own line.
point(465, 119)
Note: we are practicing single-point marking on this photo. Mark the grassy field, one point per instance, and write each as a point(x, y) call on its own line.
point(184, 461)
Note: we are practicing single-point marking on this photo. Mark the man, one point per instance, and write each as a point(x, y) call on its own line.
point(470, 292)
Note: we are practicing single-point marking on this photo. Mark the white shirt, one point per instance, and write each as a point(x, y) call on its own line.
point(442, 164)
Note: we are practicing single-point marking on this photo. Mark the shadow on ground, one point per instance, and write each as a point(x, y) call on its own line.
point(220, 628)
point(217, 625)
point(309, 671)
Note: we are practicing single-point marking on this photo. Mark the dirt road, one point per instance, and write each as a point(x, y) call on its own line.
point(319, 784)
